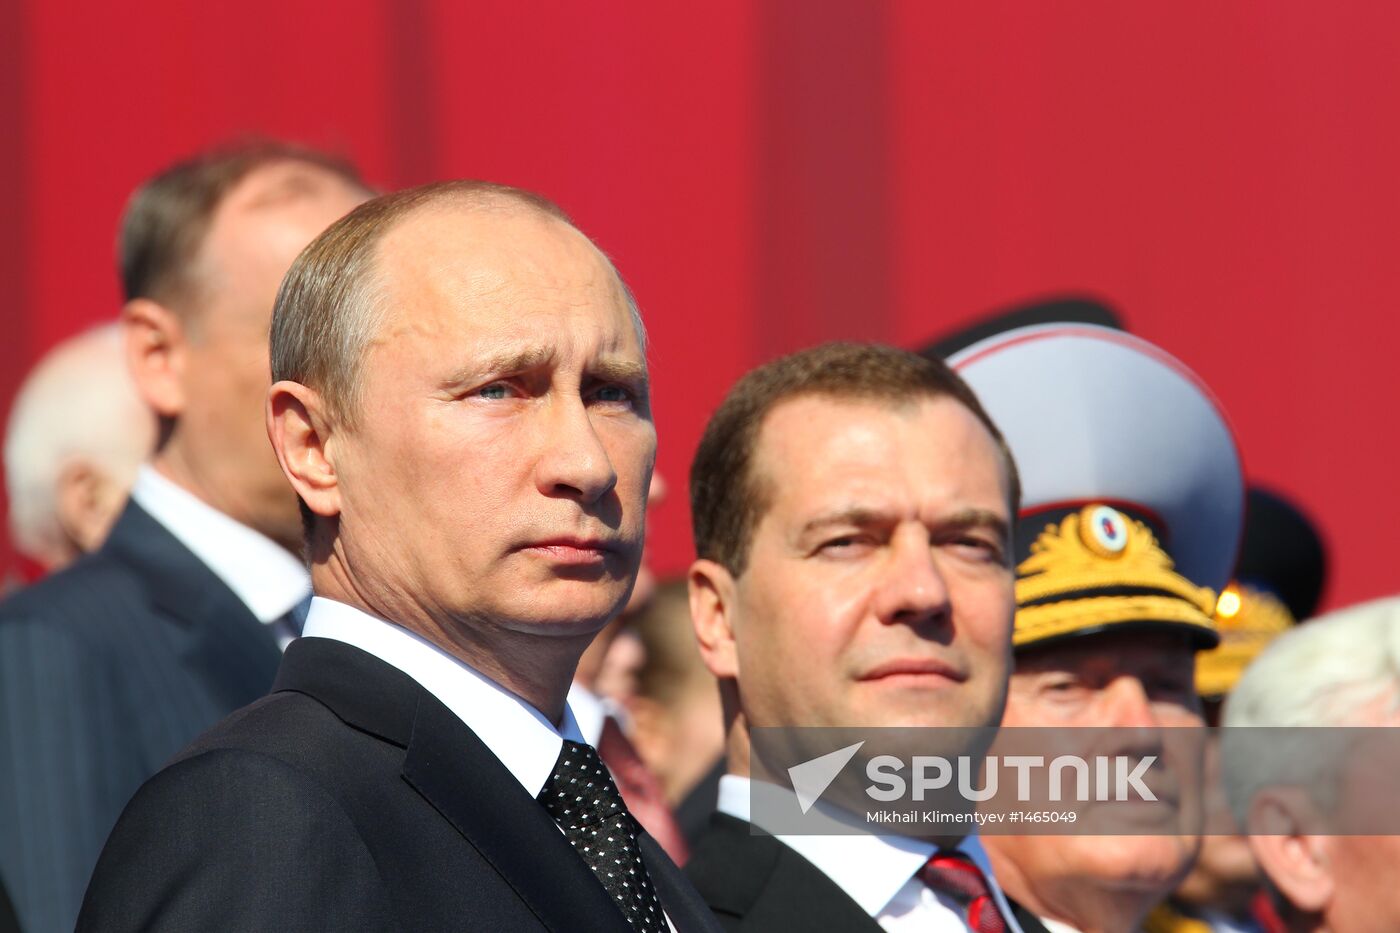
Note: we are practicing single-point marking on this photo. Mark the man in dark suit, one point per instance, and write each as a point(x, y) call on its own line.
point(110, 667)
point(462, 406)
point(852, 509)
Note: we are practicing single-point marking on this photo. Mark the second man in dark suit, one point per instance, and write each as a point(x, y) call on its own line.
point(852, 509)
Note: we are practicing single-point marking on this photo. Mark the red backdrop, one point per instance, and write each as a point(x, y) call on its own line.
point(771, 174)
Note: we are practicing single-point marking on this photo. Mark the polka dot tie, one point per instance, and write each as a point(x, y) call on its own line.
point(582, 799)
point(954, 875)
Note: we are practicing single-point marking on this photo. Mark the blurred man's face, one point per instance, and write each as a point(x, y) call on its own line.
point(497, 474)
point(258, 229)
point(1125, 681)
point(878, 591)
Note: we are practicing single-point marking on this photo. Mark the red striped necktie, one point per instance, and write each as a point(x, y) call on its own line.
point(953, 874)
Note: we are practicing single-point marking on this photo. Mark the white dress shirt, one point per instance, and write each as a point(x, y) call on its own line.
point(878, 872)
point(526, 742)
point(262, 574)
point(519, 735)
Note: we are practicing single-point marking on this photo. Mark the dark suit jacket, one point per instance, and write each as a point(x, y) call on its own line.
point(351, 799)
point(8, 923)
point(107, 669)
point(757, 883)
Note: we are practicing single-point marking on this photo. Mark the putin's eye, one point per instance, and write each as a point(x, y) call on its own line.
point(614, 395)
point(495, 390)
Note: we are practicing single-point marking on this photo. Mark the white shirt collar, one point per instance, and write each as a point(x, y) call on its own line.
point(1057, 926)
point(519, 735)
point(261, 573)
point(870, 868)
point(589, 710)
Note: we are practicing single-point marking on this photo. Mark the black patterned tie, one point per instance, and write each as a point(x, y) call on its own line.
point(582, 799)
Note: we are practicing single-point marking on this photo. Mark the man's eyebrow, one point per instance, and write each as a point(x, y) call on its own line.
point(858, 516)
point(976, 518)
point(618, 370)
point(504, 362)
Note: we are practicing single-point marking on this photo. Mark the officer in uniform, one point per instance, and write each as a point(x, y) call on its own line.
point(1130, 521)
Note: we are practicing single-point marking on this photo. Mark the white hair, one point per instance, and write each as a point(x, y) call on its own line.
point(78, 404)
point(1329, 672)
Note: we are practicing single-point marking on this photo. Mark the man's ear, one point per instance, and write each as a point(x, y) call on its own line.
point(301, 433)
point(712, 605)
point(1296, 858)
point(157, 354)
point(87, 500)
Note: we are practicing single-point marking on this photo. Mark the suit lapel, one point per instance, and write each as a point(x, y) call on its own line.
point(234, 654)
point(456, 773)
point(679, 899)
point(768, 886)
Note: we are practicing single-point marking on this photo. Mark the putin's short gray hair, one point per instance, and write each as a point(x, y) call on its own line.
point(330, 306)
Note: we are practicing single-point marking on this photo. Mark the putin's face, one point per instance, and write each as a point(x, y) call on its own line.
point(878, 590)
point(496, 477)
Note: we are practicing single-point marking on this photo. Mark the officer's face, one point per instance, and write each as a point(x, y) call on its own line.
point(1129, 681)
point(878, 590)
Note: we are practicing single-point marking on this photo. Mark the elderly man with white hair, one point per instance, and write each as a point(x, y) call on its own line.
point(1288, 789)
point(76, 435)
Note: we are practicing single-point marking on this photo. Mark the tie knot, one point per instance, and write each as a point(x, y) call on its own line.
point(580, 791)
point(955, 875)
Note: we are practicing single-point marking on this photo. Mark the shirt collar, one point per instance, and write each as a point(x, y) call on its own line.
point(589, 711)
point(519, 735)
point(261, 573)
point(870, 868)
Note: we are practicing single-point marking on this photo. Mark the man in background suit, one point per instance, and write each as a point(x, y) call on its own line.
point(75, 437)
point(852, 511)
point(110, 667)
point(462, 406)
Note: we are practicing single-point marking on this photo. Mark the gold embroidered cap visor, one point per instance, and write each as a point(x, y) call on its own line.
point(1091, 568)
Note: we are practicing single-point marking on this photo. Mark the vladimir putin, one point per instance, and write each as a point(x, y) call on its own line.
point(461, 402)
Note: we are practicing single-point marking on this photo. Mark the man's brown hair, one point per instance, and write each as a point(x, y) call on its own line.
point(727, 498)
point(167, 218)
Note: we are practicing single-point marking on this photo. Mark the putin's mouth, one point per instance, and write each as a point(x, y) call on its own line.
point(915, 671)
point(572, 552)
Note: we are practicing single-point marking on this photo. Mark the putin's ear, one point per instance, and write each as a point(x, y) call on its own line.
point(300, 433)
point(1291, 851)
point(712, 603)
point(156, 355)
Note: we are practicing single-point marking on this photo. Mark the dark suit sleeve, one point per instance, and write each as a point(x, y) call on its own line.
point(235, 840)
point(59, 791)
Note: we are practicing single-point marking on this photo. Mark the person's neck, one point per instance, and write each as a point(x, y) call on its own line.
point(1086, 908)
point(536, 668)
point(172, 463)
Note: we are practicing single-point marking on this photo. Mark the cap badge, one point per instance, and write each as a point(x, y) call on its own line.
point(1104, 530)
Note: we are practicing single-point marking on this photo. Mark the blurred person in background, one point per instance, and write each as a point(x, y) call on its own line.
point(1279, 578)
point(1335, 674)
point(109, 667)
point(76, 434)
point(677, 722)
point(1131, 515)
